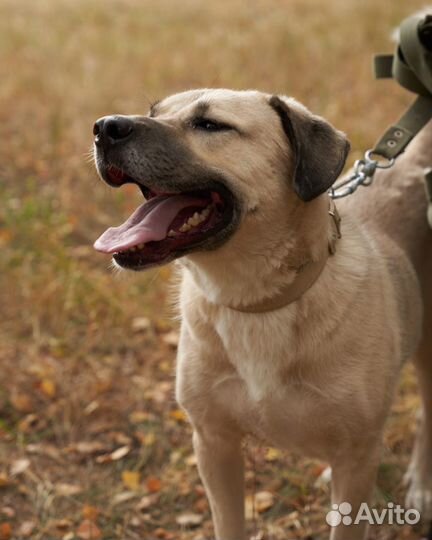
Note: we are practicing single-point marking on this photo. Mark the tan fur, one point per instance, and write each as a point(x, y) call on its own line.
point(318, 375)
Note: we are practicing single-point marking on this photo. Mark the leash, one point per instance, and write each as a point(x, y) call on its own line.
point(411, 67)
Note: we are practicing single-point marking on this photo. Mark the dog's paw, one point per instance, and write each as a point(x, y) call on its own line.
point(419, 497)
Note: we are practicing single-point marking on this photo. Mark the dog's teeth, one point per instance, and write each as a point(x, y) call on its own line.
point(140, 246)
point(196, 219)
point(172, 233)
point(185, 227)
point(133, 248)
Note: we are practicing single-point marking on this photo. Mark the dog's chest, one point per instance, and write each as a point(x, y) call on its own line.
point(258, 350)
point(280, 413)
point(265, 397)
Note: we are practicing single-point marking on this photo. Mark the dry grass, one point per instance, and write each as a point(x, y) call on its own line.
point(73, 367)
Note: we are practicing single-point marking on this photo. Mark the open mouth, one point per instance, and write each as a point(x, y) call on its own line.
point(168, 224)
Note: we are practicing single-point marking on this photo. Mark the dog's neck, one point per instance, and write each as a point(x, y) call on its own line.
point(252, 273)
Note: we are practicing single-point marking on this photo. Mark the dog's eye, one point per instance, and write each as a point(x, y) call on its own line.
point(209, 125)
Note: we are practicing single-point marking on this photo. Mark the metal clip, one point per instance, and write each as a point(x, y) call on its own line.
point(364, 170)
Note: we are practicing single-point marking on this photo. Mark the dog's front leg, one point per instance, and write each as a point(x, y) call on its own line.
point(353, 481)
point(217, 438)
point(220, 463)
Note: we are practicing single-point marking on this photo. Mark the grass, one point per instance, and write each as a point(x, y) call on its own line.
point(79, 363)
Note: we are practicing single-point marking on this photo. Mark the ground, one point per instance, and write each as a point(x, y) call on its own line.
point(92, 443)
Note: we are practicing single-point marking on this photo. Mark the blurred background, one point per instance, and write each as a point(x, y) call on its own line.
point(92, 443)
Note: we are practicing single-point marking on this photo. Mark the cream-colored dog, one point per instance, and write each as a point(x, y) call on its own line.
point(288, 332)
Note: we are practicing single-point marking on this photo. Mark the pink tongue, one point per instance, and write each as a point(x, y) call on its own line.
point(149, 223)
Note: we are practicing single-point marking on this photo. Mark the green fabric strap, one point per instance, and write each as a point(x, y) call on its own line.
point(411, 66)
point(383, 66)
point(396, 138)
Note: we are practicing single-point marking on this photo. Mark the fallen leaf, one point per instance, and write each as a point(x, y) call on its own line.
point(153, 484)
point(147, 501)
point(44, 368)
point(4, 480)
point(160, 393)
point(409, 403)
point(88, 530)
point(118, 454)
point(90, 512)
point(28, 423)
point(44, 450)
point(178, 415)
point(5, 236)
point(189, 520)
point(26, 528)
point(162, 325)
point(88, 447)
point(91, 407)
point(199, 490)
point(131, 479)
point(273, 454)
point(22, 403)
point(165, 366)
point(103, 385)
point(67, 490)
point(135, 522)
point(7, 511)
point(63, 524)
point(261, 501)
point(175, 457)
point(163, 533)
point(146, 439)
point(48, 387)
point(122, 497)
point(120, 438)
point(19, 466)
point(137, 417)
point(141, 324)
point(191, 460)
point(201, 505)
point(5, 531)
point(171, 338)
point(264, 500)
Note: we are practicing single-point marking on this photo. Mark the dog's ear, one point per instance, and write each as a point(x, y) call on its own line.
point(319, 149)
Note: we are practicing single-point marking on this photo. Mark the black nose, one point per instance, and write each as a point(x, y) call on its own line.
point(112, 129)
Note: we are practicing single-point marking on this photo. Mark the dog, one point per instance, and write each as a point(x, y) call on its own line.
point(294, 327)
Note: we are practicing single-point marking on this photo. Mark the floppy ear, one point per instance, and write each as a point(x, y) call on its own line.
point(319, 149)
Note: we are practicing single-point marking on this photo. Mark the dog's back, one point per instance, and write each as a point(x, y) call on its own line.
point(396, 203)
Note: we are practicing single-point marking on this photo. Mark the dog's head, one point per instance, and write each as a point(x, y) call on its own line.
point(211, 164)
